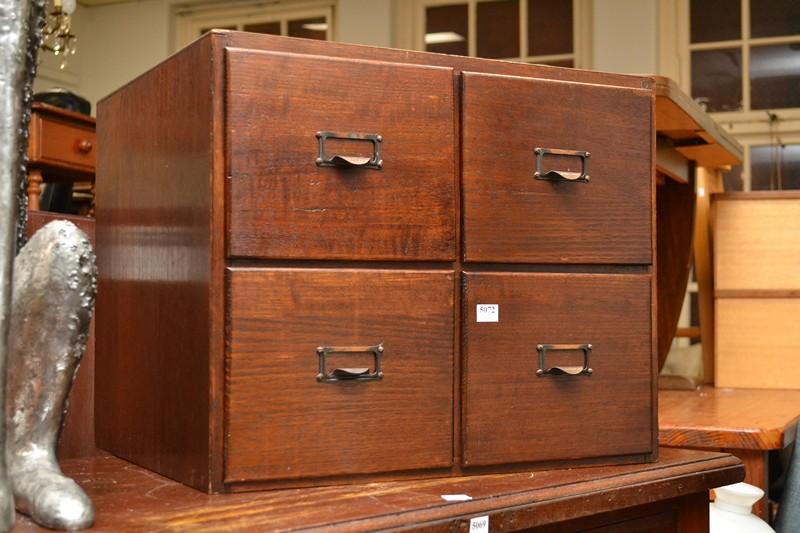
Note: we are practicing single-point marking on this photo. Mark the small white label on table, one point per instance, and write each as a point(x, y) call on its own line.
point(479, 524)
point(488, 313)
point(456, 497)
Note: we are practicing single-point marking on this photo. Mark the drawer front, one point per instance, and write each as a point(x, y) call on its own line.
point(513, 415)
point(388, 193)
point(283, 422)
point(60, 143)
point(515, 127)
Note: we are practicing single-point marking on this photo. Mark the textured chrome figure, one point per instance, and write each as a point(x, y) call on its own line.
point(44, 315)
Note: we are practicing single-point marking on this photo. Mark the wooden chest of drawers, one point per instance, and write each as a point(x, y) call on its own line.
point(322, 263)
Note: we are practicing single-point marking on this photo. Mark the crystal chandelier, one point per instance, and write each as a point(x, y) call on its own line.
point(57, 36)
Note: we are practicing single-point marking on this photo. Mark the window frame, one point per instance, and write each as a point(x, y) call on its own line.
point(189, 20)
point(749, 127)
point(410, 30)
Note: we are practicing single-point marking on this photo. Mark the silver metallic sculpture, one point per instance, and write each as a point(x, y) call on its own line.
point(46, 302)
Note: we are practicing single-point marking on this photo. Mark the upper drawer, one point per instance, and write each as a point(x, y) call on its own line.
point(390, 194)
point(510, 125)
point(55, 142)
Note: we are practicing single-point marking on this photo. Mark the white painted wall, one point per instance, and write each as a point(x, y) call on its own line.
point(364, 22)
point(625, 36)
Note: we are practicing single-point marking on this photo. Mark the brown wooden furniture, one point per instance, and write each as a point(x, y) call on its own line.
point(244, 278)
point(61, 148)
point(746, 422)
point(77, 435)
point(668, 496)
point(757, 275)
point(692, 151)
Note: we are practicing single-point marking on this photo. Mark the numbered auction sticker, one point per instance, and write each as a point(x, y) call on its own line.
point(488, 313)
point(479, 524)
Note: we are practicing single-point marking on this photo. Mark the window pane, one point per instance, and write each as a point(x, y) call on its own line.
point(498, 29)
point(446, 29)
point(775, 167)
point(549, 27)
point(775, 76)
point(272, 28)
point(733, 179)
point(315, 28)
point(715, 20)
point(771, 18)
point(717, 79)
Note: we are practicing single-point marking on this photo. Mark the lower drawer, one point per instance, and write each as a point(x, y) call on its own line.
point(304, 394)
point(525, 334)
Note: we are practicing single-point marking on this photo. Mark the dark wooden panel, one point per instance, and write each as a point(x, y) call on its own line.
point(282, 423)
point(556, 417)
point(511, 216)
point(675, 212)
point(154, 219)
point(130, 499)
point(77, 435)
point(282, 205)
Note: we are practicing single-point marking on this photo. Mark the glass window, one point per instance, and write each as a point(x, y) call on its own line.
point(717, 79)
point(775, 76)
point(775, 167)
point(271, 28)
point(446, 29)
point(498, 29)
point(549, 27)
point(313, 28)
point(774, 18)
point(715, 20)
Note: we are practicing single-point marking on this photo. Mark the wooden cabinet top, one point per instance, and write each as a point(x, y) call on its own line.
point(129, 498)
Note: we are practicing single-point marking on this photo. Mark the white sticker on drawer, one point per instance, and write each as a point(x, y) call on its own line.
point(479, 524)
point(488, 313)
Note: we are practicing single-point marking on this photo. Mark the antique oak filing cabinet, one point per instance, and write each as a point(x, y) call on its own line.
point(325, 263)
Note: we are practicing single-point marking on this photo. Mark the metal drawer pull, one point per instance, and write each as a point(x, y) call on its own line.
point(350, 161)
point(585, 370)
point(349, 374)
point(555, 175)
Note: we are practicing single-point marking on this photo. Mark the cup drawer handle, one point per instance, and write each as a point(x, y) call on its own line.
point(352, 373)
point(350, 161)
point(561, 175)
point(584, 370)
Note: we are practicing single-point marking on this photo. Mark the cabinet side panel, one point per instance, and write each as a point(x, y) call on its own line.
point(154, 226)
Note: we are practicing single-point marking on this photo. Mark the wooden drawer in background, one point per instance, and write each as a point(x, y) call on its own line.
point(63, 144)
point(512, 415)
point(284, 423)
point(284, 205)
point(510, 216)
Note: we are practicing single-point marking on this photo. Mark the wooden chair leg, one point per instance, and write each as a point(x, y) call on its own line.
point(34, 189)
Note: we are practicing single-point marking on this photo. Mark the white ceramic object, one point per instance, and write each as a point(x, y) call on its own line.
point(731, 512)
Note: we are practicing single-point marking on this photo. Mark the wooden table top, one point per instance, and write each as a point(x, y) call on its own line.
point(752, 419)
point(129, 498)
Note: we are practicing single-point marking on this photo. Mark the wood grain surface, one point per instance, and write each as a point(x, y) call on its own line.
point(284, 424)
point(509, 216)
point(63, 141)
point(728, 418)
point(157, 269)
point(129, 498)
point(282, 205)
point(757, 343)
point(756, 243)
point(556, 417)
